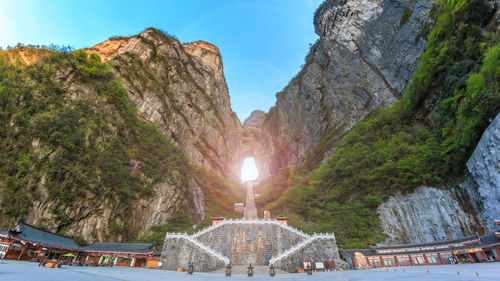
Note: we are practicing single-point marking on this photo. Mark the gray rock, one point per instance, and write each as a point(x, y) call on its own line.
point(431, 214)
point(483, 182)
point(364, 58)
point(428, 214)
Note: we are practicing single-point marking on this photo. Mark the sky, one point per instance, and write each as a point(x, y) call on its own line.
point(263, 42)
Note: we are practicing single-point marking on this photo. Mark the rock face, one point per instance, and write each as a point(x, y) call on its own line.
point(256, 119)
point(430, 214)
point(182, 90)
point(366, 54)
point(180, 87)
point(483, 182)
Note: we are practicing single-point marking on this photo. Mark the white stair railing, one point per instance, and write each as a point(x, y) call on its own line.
point(242, 221)
point(199, 245)
point(300, 246)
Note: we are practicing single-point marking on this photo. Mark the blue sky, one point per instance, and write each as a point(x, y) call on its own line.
point(263, 43)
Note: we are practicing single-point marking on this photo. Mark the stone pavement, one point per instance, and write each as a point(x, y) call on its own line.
point(26, 271)
point(242, 270)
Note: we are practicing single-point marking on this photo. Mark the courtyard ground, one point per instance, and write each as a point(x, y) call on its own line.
point(18, 270)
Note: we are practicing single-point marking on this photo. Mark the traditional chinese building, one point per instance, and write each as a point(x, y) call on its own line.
point(471, 249)
point(26, 242)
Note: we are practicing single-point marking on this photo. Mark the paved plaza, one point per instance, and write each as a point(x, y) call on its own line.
point(18, 270)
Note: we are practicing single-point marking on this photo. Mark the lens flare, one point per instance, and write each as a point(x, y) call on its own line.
point(249, 170)
point(213, 152)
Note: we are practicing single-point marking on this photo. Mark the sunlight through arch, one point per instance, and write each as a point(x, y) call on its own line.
point(249, 170)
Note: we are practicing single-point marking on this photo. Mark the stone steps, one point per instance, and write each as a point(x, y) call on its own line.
point(242, 270)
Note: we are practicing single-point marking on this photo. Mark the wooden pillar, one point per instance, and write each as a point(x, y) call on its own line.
point(22, 251)
point(470, 257)
point(353, 262)
point(8, 248)
point(440, 258)
point(60, 255)
point(498, 253)
point(483, 254)
point(411, 260)
point(382, 261)
point(396, 259)
point(426, 260)
point(368, 261)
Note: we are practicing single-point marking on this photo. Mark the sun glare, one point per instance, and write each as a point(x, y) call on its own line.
point(249, 170)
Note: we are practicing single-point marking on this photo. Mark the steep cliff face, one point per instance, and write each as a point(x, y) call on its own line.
point(430, 214)
point(180, 87)
point(150, 92)
point(483, 181)
point(365, 56)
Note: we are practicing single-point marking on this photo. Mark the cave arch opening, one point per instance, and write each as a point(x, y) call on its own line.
point(249, 170)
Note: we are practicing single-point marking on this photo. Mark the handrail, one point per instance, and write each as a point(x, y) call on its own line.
point(243, 221)
point(301, 245)
point(200, 245)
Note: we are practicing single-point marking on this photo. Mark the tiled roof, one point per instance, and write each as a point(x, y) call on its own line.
point(351, 253)
point(4, 232)
point(121, 247)
point(31, 233)
point(485, 240)
point(490, 239)
point(436, 243)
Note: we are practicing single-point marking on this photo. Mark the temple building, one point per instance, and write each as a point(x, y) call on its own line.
point(26, 242)
point(471, 249)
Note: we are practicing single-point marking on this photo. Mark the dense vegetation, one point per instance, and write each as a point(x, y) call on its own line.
point(424, 139)
point(80, 148)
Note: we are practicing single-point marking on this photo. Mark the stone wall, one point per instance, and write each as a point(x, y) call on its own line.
point(245, 243)
point(324, 250)
point(241, 242)
point(179, 252)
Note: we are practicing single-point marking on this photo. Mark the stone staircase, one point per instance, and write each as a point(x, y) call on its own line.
point(199, 245)
point(242, 241)
point(243, 221)
point(301, 245)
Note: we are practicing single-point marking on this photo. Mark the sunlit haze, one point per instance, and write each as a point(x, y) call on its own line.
point(249, 170)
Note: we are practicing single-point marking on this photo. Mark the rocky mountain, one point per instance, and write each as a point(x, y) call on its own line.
point(180, 87)
point(177, 92)
point(430, 214)
point(356, 146)
point(364, 58)
point(388, 133)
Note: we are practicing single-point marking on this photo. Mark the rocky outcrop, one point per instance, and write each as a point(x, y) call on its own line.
point(180, 87)
point(429, 214)
point(182, 90)
point(256, 119)
point(366, 54)
point(483, 181)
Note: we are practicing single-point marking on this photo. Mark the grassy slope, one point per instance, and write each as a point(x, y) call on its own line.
point(80, 148)
point(412, 143)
